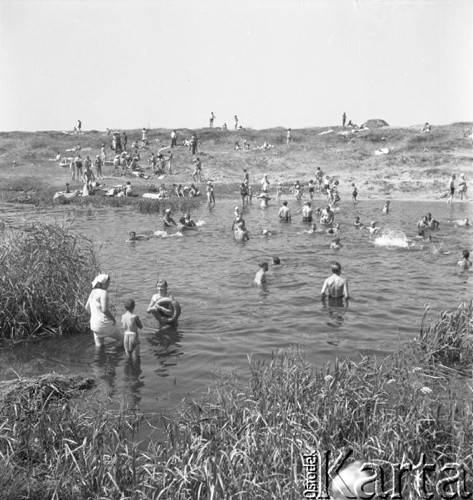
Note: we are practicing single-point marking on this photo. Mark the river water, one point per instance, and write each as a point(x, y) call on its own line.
point(226, 317)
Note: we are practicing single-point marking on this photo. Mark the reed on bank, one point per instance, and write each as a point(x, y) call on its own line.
point(45, 273)
point(245, 439)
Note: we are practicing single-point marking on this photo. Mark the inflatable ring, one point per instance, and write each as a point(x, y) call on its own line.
point(174, 308)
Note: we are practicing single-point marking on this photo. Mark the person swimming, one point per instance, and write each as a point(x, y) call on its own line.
point(465, 263)
point(461, 222)
point(312, 230)
point(336, 244)
point(358, 224)
point(136, 237)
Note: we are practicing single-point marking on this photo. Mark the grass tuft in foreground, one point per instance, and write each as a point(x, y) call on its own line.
point(246, 439)
point(45, 272)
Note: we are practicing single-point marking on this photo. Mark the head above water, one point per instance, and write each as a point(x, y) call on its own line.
point(466, 254)
point(263, 265)
point(276, 260)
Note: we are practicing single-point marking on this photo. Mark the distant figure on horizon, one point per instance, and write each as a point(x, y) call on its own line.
point(211, 119)
point(344, 119)
point(236, 121)
point(79, 126)
point(173, 139)
point(426, 127)
point(288, 136)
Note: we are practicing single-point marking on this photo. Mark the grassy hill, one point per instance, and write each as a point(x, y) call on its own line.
point(417, 164)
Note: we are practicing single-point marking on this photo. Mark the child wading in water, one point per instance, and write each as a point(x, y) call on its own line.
point(131, 322)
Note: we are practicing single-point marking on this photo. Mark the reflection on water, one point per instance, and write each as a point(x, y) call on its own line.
point(225, 316)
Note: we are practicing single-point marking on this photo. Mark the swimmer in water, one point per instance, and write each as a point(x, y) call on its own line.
point(357, 223)
point(136, 237)
point(373, 229)
point(333, 230)
point(335, 288)
point(284, 212)
point(161, 313)
point(461, 222)
point(131, 322)
point(168, 221)
point(433, 224)
point(241, 233)
point(237, 221)
point(276, 260)
point(336, 244)
point(312, 230)
point(423, 223)
point(260, 276)
point(327, 216)
point(306, 212)
point(465, 263)
point(386, 207)
point(187, 222)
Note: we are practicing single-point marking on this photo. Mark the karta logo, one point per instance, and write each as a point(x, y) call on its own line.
point(338, 479)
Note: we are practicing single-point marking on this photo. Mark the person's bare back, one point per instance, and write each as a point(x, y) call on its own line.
point(335, 286)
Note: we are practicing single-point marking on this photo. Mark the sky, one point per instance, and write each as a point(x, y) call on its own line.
point(125, 64)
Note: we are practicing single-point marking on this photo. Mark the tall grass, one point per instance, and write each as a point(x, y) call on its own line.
point(448, 340)
point(45, 275)
point(244, 439)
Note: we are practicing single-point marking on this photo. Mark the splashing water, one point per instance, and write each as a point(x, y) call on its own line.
point(392, 238)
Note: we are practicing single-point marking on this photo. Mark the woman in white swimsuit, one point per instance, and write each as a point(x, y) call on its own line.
point(102, 321)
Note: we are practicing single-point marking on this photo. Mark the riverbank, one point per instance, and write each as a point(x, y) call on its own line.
point(249, 440)
point(384, 163)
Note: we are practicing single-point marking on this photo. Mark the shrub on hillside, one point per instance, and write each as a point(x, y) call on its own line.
point(45, 276)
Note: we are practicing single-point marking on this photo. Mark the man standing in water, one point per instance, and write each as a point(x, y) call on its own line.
point(335, 287)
